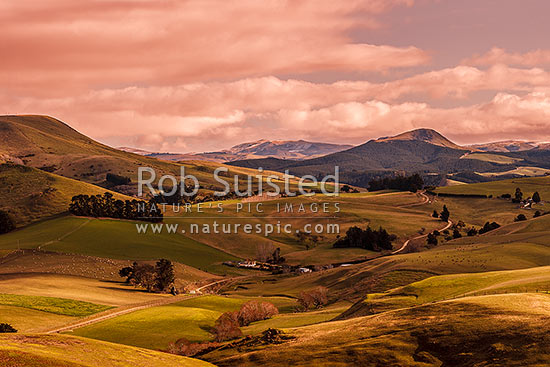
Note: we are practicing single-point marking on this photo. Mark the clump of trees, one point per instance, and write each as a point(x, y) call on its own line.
point(520, 218)
point(403, 183)
point(308, 239)
point(445, 214)
point(518, 196)
point(159, 278)
point(228, 325)
point(117, 180)
point(489, 227)
point(107, 206)
point(348, 189)
point(432, 239)
point(184, 347)
point(368, 239)
point(7, 328)
point(314, 298)
point(7, 223)
point(266, 252)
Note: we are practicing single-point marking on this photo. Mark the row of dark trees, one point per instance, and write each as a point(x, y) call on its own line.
point(107, 206)
point(368, 239)
point(160, 277)
point(403, 183)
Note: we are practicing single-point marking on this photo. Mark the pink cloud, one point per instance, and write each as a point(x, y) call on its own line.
point(209, 116)
point(497, 55)
point(57, 47)
point(506, 116)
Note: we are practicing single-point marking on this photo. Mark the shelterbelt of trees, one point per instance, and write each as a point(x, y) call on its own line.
point(403, 183)
point(106, 206)
point(369, 239)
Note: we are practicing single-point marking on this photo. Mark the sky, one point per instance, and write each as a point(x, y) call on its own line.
point(204, 75)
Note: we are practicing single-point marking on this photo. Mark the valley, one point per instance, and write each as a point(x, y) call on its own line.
point(468, 297)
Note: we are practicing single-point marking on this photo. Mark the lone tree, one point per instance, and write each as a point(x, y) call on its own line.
point(7, 223)
point(444, 216)
point(518, 196)
point(165, 274)
point(536, 197)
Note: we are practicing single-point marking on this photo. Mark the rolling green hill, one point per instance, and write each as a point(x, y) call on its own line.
point(115, 239)
point(33, 350)
point(527, 185)
point(496, 330)
point(446, 287)
point(30, 194)
point(49, 144)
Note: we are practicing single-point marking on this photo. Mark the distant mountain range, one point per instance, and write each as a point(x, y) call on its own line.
point(508, 146)
point(282, 149)
point(49, 144)
point(423, 151)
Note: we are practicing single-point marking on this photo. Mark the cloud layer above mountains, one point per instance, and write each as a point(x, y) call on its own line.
point(204, 75)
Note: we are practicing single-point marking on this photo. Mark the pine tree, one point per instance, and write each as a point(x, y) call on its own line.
point(165, 276)
point(536, 197)
point(445, 214)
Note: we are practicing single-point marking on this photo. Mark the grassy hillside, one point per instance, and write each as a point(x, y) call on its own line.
point(447, 287)
point(60, 306)
point(64, 351)
point(156, 327)
point(76, 288)
point(114, 239)
point(399, 213)
point(393, 211)
point(515, 246)
point(28, 320)
point(43, 141)
point(501, 330)
point(30, 194)
point(47, 143)
point(496, 188)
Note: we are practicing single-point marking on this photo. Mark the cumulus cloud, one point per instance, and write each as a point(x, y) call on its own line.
point(55, 47)
point(198, 75)
point(498, 55)
point(209, 116)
